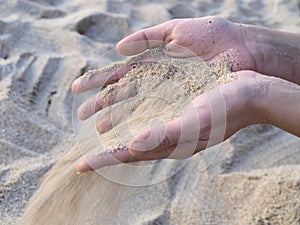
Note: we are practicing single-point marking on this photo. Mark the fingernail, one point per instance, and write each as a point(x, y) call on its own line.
point(138, 146)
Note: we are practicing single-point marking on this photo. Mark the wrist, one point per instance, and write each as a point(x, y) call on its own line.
point(257, 41)
point(251, 98)
point(258, 94)
point(243, 103)
point(277, 103)
point(274, 52)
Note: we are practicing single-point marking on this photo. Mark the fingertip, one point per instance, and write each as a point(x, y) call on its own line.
point(77, 85)
point(138, 146)
point(136, 154)
point(103, 125)
point(123, 48)
point(81, 113)
point(138, 143)
point(82, 166)
point(132, 152)
point(81, 117)
point(146, 38)
point(129, 46)
point(74, 86)
point(120, 47)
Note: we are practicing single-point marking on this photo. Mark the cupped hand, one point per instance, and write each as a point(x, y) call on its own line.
point(207, 37)
point(217, 114)
point(209, 120)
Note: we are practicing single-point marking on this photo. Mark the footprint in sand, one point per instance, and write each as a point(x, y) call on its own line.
point(103, 27)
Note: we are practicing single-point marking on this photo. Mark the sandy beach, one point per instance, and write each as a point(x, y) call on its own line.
point(252, 178)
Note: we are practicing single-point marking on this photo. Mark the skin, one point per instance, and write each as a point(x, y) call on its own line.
point(267, 90)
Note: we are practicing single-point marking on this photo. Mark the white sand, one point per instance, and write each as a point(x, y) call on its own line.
point(46, 44)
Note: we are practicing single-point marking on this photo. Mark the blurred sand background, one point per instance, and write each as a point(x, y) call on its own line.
point(46, 44)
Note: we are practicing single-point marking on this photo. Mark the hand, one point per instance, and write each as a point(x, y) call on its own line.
point(212, 118)
point(206, 37)
point(253, 48)
point(248, 100)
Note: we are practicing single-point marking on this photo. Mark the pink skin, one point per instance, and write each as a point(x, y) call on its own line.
point(249, 99)
point(97, 102)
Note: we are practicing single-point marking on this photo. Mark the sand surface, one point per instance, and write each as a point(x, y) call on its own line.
point(46, 44)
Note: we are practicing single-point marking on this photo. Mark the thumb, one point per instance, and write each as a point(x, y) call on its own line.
point(156, 138)
point(180, 135)
point(146, 39)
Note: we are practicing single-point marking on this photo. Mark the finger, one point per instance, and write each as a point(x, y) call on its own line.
point(125, 156)
point(146, 38)
point(98, 78)
point(117, 157)
point(156, 138)
point(181, 150)
point(192, 126)
point(111, 95)
point(113, 118)
point(114, 158)
point(173, 49)
point(169, 147)
point(104, 159)
point(104, 124)
point(173, 133)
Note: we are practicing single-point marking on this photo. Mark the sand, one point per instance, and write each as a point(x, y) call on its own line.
point(164, 87)
point(45, 45)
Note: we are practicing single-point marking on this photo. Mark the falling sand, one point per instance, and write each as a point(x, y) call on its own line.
point(163, 88)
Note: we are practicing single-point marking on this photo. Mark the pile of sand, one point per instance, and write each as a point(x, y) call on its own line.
point(46, 44)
